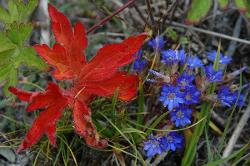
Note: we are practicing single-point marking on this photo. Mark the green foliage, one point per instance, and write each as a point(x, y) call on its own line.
point(171, 34)
point(198, 10)
point(17, 11)
point(241, 5)
point(13, 49)
point(223, 3)
point(234, 155)
point(248, 8)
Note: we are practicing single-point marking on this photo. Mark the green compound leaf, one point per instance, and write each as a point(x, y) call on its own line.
point(19, 33)
point(28, 57)
point(241, 5)
point(198, 10)
point(14, 50)
point(17, 11)
point(13, 11)
point(223, 3)
point(5, 43)
point(25, 9)
point(14, 53)
point(4, 15)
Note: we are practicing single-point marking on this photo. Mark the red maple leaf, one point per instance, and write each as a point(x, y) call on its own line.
point(97, 77)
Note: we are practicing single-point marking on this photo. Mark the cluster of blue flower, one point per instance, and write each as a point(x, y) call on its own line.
point(179, 94)
point(159, 144)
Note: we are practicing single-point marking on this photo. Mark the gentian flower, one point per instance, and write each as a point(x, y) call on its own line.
point(213, 75)
point(139, 63)
point(173, 56)
point(191, 95)
point(193, 62)
point(181, 116)
point(223, 58)
point(153, 146)
point(228, 98)
point(185, 80)
point(171, 96)
point(172, 141)
point(157, 43)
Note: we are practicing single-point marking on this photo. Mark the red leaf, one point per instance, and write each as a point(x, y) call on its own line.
point(56, 57)
point(110, 58)
point(84, 125)
point(67, 57)
point(125, 84)
point(22, 95)
point(54, 103)
point(98, 77)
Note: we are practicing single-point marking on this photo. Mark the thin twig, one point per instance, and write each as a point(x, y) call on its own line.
point(220, 35)
point(210, 32)
point(141, 15)
point(151, 16)
point(217, 118)
point(236, 33)
point(237, 132)
point(103, 21)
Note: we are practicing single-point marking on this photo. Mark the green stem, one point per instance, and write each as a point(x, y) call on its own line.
point(140, 105)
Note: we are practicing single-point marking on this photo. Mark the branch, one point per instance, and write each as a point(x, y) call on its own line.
point(103, 21)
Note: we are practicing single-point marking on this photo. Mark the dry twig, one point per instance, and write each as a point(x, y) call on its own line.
point(237, 132)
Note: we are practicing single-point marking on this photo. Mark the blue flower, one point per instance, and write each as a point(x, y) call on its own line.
point(171, 96)
point(157, 43)
point(193, 62)
point(172, 141)
point(139, 63)
point(228, 98)
point(185, 80)
point(223, 59)
point(213, 75)
point(191, 95)
point(153, 146)
point(181, 116)
point(171, 56)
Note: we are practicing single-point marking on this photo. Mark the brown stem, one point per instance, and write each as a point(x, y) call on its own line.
point(141, 15)
point(103, 21)
point(151, 16)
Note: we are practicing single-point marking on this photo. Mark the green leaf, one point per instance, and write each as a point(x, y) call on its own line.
point(198, 10)
point(13, 11)
point(29, 57)
point(19, 33)
point(5, 43)
point(17, 11)
point(171, 33)
point(4, 15)
point(4, 72)
point(223, 3)
point(14, 52)
point(12, 81)
point(26, 9)
point(241, 5)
